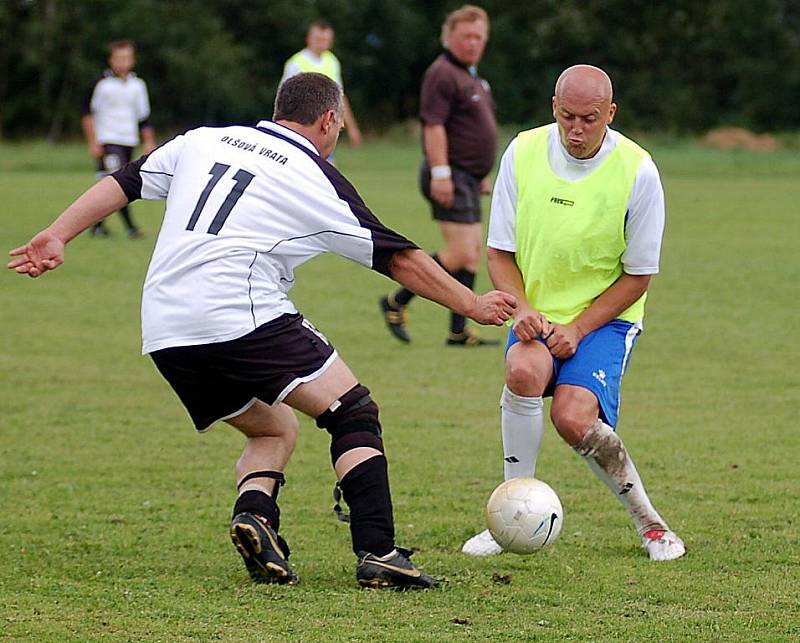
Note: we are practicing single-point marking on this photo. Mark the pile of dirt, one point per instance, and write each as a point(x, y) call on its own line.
point(737, 138)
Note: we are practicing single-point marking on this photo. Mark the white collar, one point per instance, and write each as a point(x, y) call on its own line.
point(288, 133)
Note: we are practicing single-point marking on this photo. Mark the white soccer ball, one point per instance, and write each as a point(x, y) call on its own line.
point(524, 515)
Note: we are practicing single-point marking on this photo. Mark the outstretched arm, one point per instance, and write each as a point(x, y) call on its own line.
point(46, 250)
point(418, 272)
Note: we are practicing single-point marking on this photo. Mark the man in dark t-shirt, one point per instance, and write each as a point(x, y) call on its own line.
point(459, 134)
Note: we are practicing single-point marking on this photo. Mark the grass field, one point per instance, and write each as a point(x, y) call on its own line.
point(114, 514)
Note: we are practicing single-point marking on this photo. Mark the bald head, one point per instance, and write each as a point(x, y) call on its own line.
point(586, 80)
point(582, 106)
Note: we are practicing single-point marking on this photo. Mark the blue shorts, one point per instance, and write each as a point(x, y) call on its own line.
point(598, 365)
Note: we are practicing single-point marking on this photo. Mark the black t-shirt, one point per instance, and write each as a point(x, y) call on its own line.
point(453, 97)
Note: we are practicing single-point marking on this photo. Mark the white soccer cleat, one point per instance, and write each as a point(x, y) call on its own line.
point(663, 544)
point(482, 544)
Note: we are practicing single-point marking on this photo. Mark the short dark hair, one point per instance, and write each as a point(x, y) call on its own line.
point(121, 44)
point(305, 97)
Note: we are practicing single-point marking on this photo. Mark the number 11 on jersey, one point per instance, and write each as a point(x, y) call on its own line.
point(241, 181)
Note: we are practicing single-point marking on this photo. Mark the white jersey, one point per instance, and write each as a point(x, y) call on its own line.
point(644, 222)
point(245, 207)
point(119, 107)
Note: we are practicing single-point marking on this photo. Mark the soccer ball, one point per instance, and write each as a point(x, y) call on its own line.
point(524, 515)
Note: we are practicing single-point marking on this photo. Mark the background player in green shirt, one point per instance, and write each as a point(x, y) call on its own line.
point(317, 57)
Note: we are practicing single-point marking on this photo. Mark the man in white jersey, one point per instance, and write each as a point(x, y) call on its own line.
point(575, 234)
point(116, 111)
point(245, 207)
point(318, 57)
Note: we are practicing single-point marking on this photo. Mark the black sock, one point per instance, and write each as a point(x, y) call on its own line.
point(258, 502)
point(125, 213)
point(366, 491)
point(403, 296)
point(466, 278)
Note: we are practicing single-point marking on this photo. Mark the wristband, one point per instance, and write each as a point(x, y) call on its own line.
point(441, 172)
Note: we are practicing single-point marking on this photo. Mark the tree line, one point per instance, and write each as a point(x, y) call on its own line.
point(678, 65)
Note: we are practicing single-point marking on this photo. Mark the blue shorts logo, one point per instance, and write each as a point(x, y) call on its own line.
point(600, 376)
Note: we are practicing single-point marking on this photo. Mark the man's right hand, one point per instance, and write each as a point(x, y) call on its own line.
point(530, 324)
point(493, 308)
point(42, 253)
point(442, 192)
point(96, 150)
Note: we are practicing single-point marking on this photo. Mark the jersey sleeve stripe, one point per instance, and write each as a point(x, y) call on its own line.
point(385, 241)
point(129, 178)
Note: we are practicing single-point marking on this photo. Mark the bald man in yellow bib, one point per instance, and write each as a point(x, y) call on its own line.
point(575, 234)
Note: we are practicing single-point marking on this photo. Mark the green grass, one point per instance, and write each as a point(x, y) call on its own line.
point(114, 513)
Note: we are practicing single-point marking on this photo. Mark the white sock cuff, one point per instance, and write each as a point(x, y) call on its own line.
point(520, 404)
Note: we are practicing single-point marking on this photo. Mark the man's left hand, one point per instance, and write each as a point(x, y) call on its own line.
point(563, 340)
point(486, 185)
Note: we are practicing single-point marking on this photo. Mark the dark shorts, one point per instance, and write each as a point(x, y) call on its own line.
point(114, 157)
point(222, 380)
point(466, 198)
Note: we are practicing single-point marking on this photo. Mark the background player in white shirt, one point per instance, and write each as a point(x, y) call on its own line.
point(116, 111)
point(244, 207)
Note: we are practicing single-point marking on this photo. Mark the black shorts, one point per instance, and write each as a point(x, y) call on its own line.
point(466, 196)
point(114, 157)
point(222, 380)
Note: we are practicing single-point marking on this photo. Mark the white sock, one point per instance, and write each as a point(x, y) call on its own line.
point(607, 457)
point(522, 426)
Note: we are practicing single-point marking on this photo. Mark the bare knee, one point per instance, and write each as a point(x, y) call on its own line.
point(471, 259)
point(523, 378)
point(463, 243)
point(264, 421)
point(529, 368)
point(461, 257)
point(573, 415)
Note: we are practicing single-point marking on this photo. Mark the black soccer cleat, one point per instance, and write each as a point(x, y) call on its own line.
point(396, 318)
point(398, 572)
point(265, 553)
point(469, 338)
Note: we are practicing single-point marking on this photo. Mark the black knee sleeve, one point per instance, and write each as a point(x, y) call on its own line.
point(352, 422)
